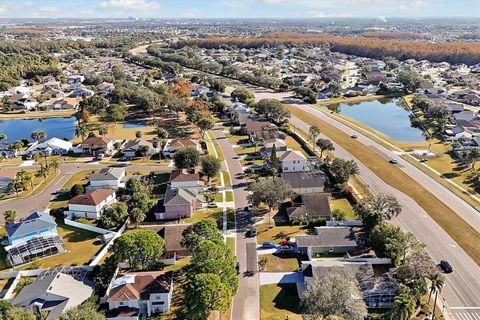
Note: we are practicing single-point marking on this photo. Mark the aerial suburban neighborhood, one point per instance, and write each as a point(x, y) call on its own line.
point(199, 166)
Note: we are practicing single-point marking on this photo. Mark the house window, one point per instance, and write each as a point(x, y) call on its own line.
point(121, 303)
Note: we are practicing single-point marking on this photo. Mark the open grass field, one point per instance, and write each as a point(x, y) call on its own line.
point(279, 301)
point(455, 226)
point(348, 100)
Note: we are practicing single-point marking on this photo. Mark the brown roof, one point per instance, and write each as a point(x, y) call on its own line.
point(92, 197)
point(97, 140)
point(184, 175)
point(312, 205)
point(143, 285)
point(252, 125)
point(173, 237)
point(183, 143)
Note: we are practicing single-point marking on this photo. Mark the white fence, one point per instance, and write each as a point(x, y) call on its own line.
point(105, 249)
point(69, 221)
point(344, 223)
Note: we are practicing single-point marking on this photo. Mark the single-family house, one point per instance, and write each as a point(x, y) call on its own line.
point(91, 204)
point(306, 182)
point(186, 179)
point(105, 88)
point(198, 91)
point(377, 289)
point(31, 238)
point(136, 295)
point(135, 148)
point(7, 151)
point(98, 145)
point(108, 178)
point(54, 292)
point(65, 104)
point(292, 161)
point(252, 126)
point(327, 240)
point(279, 144)
point(173, 144)
point(375, 77)
point(75, 79)
point(52, 146)
point(309, 206)
point(81, 92)
point(172, 234)
point(180, 203)
point(457, 133)
point(27, 104)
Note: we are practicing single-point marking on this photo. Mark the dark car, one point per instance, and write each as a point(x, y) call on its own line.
point(446, 266)
point(251, 233)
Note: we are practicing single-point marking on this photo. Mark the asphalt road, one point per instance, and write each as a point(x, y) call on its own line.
point(40, 201)
point(246, 304)
point(462, 290)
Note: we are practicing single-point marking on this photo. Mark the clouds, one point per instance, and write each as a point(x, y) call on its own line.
point(137, 5)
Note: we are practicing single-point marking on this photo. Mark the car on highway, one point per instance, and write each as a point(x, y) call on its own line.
point(212, 205)
point(354, 136)
point(122, 164)
point(446, 266)
point(393, 161)
point(251, 233)
point(269, 245)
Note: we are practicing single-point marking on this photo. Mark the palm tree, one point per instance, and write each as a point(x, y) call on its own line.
point(27, 177)
point(43, 171)
point(404, 305)
point(313, 133)
point(83, 131)
point(103, 131)
point(55, 164)
point(437, 281)
point(161, 133)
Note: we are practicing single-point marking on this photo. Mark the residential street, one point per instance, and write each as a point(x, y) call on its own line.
point(25, 206)
point(462, 290)
point(246, 303)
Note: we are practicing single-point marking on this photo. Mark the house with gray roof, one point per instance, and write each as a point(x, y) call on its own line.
point(306, 182)
point(34, 237)
point(179, 203)
point(53, 293)
point(132, 148)
point(112, 178)
point(327, 240)
point(309, 206)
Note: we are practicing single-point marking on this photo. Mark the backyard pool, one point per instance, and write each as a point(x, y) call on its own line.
point(16, 129)
point(386, 116)
point(134, 124)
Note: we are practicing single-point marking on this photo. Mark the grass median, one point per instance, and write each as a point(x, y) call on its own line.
point(465, 235)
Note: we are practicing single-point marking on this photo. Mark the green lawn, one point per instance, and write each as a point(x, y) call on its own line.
point(80, 177)
point(229, 196)
point(278, 233)
point(342, 203)
point(282, 262)
point(279, 301)
point(178, 265)
point(231, 243)
point(245, 150)
point(226, 179)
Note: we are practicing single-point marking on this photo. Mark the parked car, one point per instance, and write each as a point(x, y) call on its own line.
point(251, 233)
point(212, 205)
point(446, 266)
point(393, 161)
point(63, 190)
point(269, 245)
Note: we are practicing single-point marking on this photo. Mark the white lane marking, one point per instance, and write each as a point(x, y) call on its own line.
point(452, 245)
point(476, 316)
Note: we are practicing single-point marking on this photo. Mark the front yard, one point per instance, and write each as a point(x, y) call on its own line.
point(282, 262)
point(277, 302)
point(278, 233)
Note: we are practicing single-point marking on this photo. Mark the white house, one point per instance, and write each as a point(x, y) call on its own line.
point(112, 178)
point(50, 147)
point(173, 144)
point(292, 161)
point(133, 296)
point(75, 79)
point(91, 204)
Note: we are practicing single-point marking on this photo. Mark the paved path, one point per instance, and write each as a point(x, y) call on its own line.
point(280, 277)
point(246, 304)
point(40, 201)
point(462, 288)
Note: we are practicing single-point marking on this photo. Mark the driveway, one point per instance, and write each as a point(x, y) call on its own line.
point(280, 277)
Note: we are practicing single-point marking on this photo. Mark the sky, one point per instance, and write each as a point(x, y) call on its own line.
point(237, 8)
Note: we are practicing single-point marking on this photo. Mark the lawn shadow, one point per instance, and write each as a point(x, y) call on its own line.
point(287, 298)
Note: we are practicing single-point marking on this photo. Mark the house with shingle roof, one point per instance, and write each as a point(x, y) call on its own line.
point(34, 237)
point(97, 145)
point(327, 240)
point(136, 295)
point(91, 204)
point(179, 203)
point(112, 178)
point(54, 293)
point(173, 145)
point(188, 179)
point(292, 161)
point(310, 206)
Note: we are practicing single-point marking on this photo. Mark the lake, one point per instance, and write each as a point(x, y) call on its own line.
point(17, 129)
point(386, 116)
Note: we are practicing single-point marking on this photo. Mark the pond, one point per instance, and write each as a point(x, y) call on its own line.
point(17, 129)
point(386, 116)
